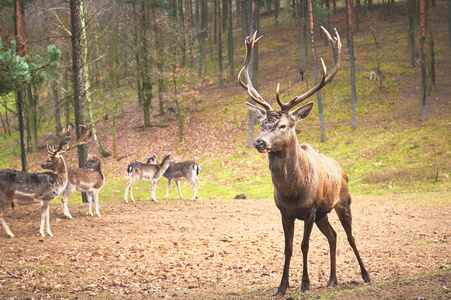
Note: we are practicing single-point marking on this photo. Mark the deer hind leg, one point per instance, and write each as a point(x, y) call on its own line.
point(288, 230)
point(195, 183)
point(325, 227)
point(345, 216)
point(2, 211)
point(45, 218)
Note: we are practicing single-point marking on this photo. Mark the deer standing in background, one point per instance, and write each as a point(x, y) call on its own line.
point(377, 74)
point(307, 185)
point(146, 172)
point(89, 180)
point(187, 170)
point(23, 188)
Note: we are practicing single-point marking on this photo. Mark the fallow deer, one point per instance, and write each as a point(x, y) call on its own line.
point(146, 172)
point(23, 188)
point(89, 180)
point(307, 185)
point(377, 74)
point(186, 170)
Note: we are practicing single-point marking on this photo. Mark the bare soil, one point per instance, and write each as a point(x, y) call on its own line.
point(223, 249)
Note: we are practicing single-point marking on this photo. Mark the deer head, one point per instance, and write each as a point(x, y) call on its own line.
point(278, 126)
point(54, 155)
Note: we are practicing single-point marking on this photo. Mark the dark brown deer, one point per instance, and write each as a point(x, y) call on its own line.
point(185, 170)
point(23, 188)
point(147, 172)
point(89, 180)
point(307, 185)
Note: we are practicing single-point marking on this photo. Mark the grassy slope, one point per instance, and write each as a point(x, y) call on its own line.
point(390, 151)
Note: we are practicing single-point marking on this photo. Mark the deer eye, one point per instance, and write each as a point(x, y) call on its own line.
point(283, 126)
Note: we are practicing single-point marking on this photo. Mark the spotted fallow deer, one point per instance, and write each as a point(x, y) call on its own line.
point(89, 180)
point(23, 188)
point(307, 185)
point(147, 172)
point(185, 170)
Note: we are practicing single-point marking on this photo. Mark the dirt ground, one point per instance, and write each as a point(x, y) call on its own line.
point(222, 249)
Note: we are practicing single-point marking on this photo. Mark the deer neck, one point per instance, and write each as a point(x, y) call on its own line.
point(61, 171)
point(163, 167)
point(289, 165)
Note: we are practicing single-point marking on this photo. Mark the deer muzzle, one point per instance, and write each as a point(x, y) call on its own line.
point(261, 145)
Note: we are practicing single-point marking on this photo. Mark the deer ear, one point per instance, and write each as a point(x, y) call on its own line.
point(301, 112)
point(258, 112)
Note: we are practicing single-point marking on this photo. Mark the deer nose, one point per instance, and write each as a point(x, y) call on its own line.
point(260, 144)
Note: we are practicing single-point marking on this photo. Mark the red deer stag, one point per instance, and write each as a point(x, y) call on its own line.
point(307, 185)
point(89, 180)
point(147, 172)
point(188, 170)
point(18, 187)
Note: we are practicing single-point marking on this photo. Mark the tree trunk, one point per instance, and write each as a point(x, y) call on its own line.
point(19, 95)
point(219, 41)
point(156, 14)
point(411, 14)
point(423, 61)
point(230, 38)
point(78, 76)
point(449, 24)
point(431, 47)
point(303, 68)
point(87, 82)
point(136, 52)
point(56, 107)
point(248, 11)
point(147, 84)
point(315, 69)
point(351, 55)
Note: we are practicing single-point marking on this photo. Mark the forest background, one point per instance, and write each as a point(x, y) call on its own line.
point(139, 58)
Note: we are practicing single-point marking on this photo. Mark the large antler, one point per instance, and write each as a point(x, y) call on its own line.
point(336, 48)
point(244, 78)
point(85, 138)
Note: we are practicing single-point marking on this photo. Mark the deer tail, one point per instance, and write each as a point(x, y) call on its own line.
point(129, 171)
point(196, 169)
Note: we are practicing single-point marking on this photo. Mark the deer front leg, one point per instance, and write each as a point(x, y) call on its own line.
point(95, 194)
point(152, 188)
point(89, 196)
point(288, 230)
point(308, 225)
point(8, 231)
point(3, 204)
point(167, 189)
point(45, 218)
point(177, 183)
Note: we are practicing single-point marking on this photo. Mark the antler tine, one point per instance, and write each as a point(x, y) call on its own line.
point(246, 82)
point(65, 135)
point(85, 137)
point(336, 48)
